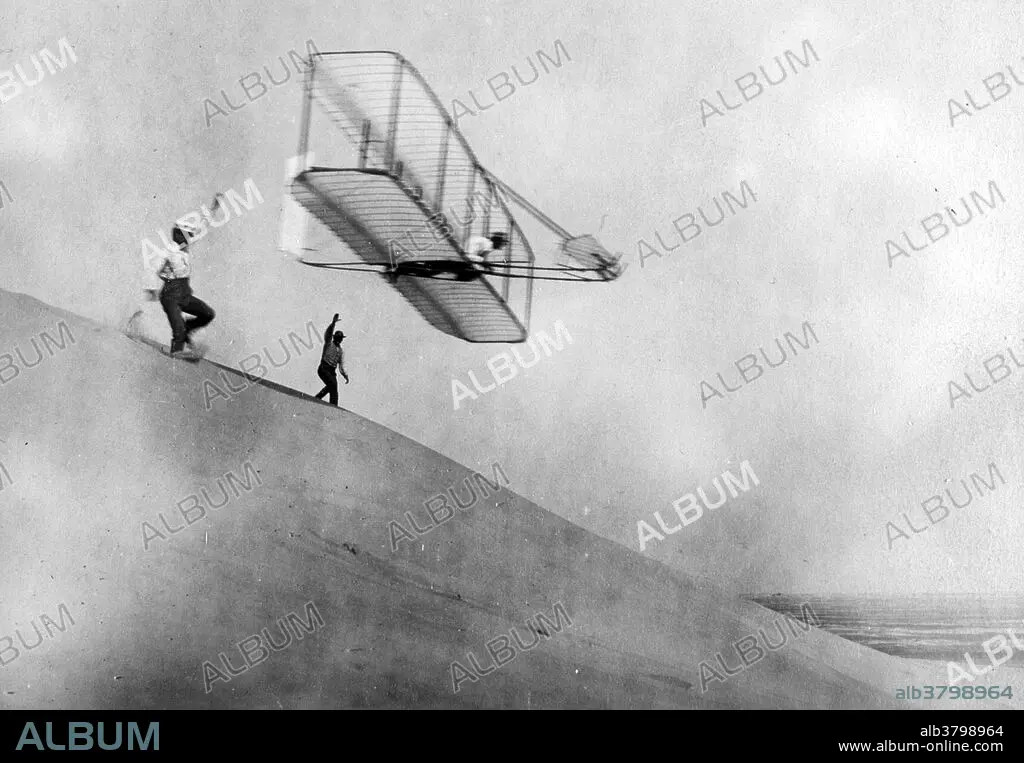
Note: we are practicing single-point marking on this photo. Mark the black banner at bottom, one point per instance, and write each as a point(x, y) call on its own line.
point(266, 732)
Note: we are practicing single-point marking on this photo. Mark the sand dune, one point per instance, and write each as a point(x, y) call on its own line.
point(107, 434)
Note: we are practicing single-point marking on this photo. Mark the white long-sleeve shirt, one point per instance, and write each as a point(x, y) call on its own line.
point(175, 262)
point(478, 248)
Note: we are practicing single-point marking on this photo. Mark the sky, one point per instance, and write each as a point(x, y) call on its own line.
point(846, 153)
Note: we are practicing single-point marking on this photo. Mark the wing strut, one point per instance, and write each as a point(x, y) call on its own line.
point(554, 227)
point(583, 249)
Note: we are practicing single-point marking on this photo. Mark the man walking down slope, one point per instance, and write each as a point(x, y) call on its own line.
point(176, 296)
point(333, 357)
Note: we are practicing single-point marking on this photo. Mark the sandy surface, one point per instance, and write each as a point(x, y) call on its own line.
point(131, 437)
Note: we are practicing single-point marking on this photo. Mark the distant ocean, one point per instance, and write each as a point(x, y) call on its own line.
point(926, 627)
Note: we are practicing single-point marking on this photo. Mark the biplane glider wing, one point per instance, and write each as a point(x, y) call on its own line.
point(407, 194)
point(383, 224)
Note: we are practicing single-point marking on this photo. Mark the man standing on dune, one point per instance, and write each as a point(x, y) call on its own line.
point(333, 358)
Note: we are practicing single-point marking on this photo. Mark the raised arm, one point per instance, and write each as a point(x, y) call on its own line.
point(155, 261)
point(330, 329)
point(193, 225)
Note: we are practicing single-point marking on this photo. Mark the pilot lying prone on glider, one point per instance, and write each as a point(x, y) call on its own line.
point(477, 251)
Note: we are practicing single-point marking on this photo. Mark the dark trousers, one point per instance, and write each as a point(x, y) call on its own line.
point(177, 298)
point(330, 378)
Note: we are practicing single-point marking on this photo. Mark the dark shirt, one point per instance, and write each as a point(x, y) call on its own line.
point(333, 355)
